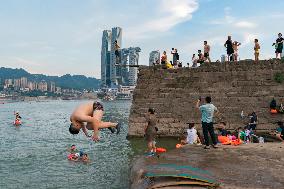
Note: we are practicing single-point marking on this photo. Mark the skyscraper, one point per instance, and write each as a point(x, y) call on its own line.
point(112, 75)
point(105, 58)
point(133, 60)
point(24, 82)
point(154, 58)
point(115, 72)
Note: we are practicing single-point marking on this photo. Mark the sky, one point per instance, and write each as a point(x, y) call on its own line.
point(56, 37)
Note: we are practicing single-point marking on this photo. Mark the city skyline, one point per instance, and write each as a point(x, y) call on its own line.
point(59, 37)
point(113, 73)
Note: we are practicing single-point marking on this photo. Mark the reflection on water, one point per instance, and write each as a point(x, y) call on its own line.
point(34, 154)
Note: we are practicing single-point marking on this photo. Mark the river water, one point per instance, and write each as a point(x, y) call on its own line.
point(34, 154)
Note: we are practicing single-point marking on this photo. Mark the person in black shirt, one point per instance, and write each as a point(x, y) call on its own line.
point(229, 46)
point(253, 121)
point(279, 46)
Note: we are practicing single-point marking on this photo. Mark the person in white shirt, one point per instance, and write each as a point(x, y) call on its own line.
point(192, 136)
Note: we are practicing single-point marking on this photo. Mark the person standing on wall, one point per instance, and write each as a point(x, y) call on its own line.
point(207, 113)
point(279, 46)
point(207, 51)
point(256, 50)
point(230, 50)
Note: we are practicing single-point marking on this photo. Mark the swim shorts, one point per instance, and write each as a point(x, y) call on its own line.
point(98, 106)
point(279, 50)
point(206, 55)
point(116, 53)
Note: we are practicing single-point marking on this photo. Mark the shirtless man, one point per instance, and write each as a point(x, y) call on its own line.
point(91, 113)
point(207, 51)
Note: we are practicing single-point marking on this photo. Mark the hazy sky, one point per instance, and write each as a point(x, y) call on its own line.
point(56, 37)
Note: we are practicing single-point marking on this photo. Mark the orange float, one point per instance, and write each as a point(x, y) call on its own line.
point(161, 150)
point(178, 146)
point(273, 111)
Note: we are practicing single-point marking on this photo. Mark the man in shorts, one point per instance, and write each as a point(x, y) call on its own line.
point(206, 51)
point(90, 113)
point(279, 46)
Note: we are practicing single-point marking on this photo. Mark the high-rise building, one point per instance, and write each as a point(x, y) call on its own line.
point(115, 71)
point(133, 60)
point(32, 85)
point(105, 58)
point(17, 84)
point(112, 75)
point(24, 82)
point(51, 87)
point(154, 58)
point(42, 86)
point(8, 82)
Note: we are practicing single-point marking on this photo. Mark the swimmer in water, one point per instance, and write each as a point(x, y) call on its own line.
point(85, 158)
point(90, 113)
point(73, 149)
point(18, 117)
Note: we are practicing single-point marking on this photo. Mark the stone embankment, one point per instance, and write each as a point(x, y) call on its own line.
point(234, 87)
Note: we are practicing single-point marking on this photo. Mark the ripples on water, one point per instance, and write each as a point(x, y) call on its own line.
point(34, 154)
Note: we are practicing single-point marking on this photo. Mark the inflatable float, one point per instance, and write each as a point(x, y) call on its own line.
point(161, 150)
point(226, 141)
point(17, 122)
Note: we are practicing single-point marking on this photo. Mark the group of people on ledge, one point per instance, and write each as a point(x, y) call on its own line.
point(241, 135)
point(232, 51)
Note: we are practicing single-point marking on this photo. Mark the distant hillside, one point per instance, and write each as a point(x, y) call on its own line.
point(66, 81)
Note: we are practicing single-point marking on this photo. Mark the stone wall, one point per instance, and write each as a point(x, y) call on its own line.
point(234, 87)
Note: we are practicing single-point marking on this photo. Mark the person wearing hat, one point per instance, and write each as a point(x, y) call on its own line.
point(151, 130)
point(90, 113)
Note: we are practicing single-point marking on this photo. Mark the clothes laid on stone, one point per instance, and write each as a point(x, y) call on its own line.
point(151, 131)
point(191, 136)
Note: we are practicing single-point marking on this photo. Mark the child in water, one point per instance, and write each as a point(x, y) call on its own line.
point(85, 158)
point(78, 156)
point(73, 149)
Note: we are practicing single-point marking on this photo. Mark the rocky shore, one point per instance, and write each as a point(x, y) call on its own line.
point(255, 166)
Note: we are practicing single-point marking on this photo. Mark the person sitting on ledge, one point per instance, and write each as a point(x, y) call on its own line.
point(192, 136)
point(273, 106)
point(280, 132)
point(221, 128)
point(201, 58)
